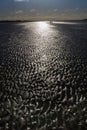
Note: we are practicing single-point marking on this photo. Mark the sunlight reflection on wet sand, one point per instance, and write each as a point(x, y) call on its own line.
point(42, 25)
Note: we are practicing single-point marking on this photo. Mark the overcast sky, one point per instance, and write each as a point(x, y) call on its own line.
point(36, 9)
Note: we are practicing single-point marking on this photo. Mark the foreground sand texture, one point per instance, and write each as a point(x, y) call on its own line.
point(43, 76)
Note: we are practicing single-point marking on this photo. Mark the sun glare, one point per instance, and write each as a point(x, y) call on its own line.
point(43, 25)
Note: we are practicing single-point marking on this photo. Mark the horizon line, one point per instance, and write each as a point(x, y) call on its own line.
point(32, 20)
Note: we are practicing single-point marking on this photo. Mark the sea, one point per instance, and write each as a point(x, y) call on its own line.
point(43, 75)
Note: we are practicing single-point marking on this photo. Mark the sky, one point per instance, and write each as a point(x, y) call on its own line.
point(43, 9)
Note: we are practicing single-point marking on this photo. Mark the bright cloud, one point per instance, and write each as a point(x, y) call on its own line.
point(21, 0)
point(33, 10)
point(55, 10)
point(19, 11)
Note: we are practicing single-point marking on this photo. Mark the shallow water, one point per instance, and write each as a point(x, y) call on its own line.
point(43, 76)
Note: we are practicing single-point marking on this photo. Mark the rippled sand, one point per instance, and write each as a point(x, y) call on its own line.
point(43, 76)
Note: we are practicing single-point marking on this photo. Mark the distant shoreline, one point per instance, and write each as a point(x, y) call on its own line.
point(83, 20)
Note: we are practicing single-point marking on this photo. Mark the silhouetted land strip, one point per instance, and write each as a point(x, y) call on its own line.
point(5, 21)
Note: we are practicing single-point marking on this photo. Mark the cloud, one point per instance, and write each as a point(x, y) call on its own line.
point(55, 10)
point(21, 0)
point(19, 11)
point(33, 10)
point(72, 10)
point(76, 9)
